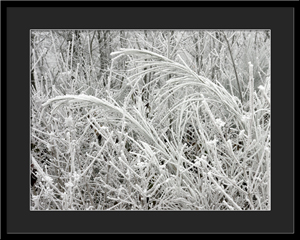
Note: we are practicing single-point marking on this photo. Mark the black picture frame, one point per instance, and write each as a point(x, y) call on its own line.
point(17, 20)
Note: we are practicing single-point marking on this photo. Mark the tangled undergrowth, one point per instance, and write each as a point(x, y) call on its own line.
point(177, 142)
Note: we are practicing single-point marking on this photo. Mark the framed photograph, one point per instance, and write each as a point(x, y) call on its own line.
point(116, 112)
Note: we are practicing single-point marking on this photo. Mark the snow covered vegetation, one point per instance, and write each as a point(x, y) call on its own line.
point(150, 120)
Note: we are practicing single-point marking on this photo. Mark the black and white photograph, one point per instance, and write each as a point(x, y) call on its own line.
point(150, 120)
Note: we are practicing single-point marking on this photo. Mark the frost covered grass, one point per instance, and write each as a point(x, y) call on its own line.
point(178, 142)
